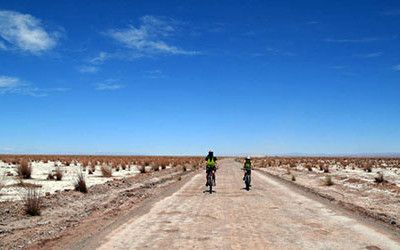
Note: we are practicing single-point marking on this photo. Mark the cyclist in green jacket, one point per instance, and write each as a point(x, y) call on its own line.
point(247, 166)
point(211, 165)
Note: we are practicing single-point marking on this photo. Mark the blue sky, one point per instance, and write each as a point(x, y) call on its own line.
point(180, 77)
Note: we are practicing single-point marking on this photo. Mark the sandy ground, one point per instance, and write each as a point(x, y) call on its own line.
point(270, 216)
point(354, 187)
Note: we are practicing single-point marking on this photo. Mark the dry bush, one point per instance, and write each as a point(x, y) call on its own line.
point(24, 169)
point(379, 178)
point(328, 181)
point(2, 185)
point(184, 168)
point(142, 169)
point(50, 176)
point(155, 168)
point(32, 201)
point(90, 171)
point(293, 178)
point(106, 171)
point(58, 174)
point(325, 169)
point(93, 167)
point(367, 168)
point(80, 183)
point(163, 166)
point(117, 168)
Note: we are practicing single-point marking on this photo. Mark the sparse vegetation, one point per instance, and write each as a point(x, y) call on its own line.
point(106, 171)
point(2, 185)
point(328, 180)
point(80, 183)
point(379, 178)
point(142, 169)
point(24, 169)
point(293, 178)
point(32, 201)
point(50, 176)
point(58, 174)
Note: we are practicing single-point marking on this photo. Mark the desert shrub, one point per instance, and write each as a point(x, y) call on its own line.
point(80, 183)
point(90, 171)
point(368, 169)
point(123, 166)
point(163, 166)
point(293, 178)
point(32, 201)
point(50, 176)
point(142, 169)
point(106, 171)
point(325, 169)
point(24, 169)
point(2, 185)
point(309, 167)
point(184, 168)
point(379, 178)
point(328, 181)
point(58, 174)
point(155, 168)
point(117, 168)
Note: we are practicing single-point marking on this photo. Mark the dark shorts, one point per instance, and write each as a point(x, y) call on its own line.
point(208, 170)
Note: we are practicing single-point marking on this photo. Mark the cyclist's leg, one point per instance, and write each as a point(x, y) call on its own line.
point(214, 170)
point(207, 170)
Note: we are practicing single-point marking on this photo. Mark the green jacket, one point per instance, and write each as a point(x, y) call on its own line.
point(211, 162)
point(247, 165)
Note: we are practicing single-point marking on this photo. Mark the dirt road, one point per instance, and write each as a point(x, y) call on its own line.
point(270, 216)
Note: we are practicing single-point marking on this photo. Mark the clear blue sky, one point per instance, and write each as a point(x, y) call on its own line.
point(180, 77)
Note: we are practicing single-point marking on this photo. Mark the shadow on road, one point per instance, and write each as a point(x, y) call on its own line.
point(207, 191)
